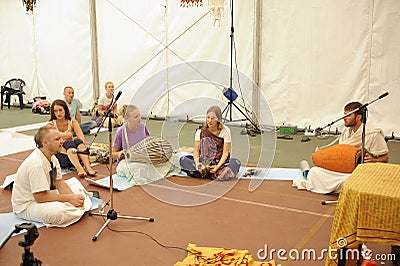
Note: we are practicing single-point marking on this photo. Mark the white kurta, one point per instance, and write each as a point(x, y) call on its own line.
point(33, 176)
point(320, 180)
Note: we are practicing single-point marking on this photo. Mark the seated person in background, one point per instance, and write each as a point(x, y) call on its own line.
point(130, 133)
point(103, 105)
point(324, 181)
point(211, 155)
point(61, 120)
point(39, 192)
point(74, 106)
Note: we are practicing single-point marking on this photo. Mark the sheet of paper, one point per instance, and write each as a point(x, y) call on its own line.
point(119, 182)
point(9, 179)
point(78, 188)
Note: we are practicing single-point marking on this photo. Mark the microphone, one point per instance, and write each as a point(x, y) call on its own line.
point(115, 100)
point(87, 152)
point(383, 95)
point(119, 95)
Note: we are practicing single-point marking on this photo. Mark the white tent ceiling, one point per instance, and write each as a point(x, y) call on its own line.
point(307, 59)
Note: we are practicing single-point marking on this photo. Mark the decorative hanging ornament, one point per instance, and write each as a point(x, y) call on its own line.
point(217, 10)
point(29, 4)
point(187, 3)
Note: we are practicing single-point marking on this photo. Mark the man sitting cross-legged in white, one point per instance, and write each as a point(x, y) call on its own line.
point(39, 192)
point(324, 181)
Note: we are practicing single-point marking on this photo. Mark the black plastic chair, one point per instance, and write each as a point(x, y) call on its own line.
point(13, 87)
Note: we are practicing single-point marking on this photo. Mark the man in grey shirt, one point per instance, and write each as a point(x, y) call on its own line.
point(74, 106)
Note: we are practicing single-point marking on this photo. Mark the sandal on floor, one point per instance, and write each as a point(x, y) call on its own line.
point(285, 137)
point(251, 132)
point(93, 173)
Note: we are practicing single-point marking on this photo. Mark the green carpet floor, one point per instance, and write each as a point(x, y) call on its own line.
point(261, 149)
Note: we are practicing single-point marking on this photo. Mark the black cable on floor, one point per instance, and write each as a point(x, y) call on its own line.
point(155, 240)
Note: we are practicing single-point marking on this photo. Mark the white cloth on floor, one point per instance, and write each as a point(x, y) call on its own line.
point(145, 173)
point(323, 181)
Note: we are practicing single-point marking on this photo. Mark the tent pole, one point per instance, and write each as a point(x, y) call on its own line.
point(256, 61)
point(94, 50)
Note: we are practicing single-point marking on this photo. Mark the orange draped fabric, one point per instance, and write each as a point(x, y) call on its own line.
point(207, 256)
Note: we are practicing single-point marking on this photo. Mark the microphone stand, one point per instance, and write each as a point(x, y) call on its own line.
point(112, 214)
point(230, 89)
point(364, 110)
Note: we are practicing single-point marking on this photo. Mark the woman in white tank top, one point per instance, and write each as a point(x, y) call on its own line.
point(60, 118)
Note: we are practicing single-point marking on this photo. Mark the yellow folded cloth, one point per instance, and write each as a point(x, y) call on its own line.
point(202, 256)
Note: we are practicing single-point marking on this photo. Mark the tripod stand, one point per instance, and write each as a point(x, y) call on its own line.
point(27, 257)
point(363, 109)
point(229, 93)
point(112, 213)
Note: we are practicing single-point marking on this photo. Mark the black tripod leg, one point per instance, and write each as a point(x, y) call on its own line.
point(226, 108)
point(248, 118)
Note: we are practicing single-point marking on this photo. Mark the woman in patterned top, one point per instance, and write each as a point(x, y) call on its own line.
point(211, 156)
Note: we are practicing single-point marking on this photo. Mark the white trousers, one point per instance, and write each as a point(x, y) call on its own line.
point(58, 214)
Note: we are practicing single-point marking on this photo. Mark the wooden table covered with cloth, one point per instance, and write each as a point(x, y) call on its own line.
point(368, 210)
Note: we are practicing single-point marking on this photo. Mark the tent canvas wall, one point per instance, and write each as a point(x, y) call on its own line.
point(303, 59)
